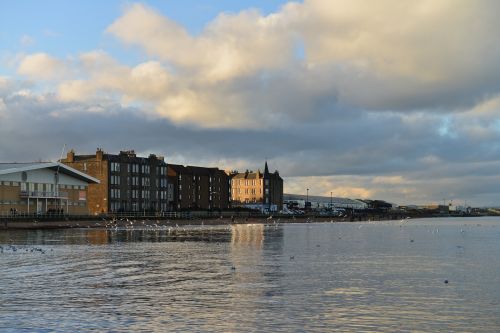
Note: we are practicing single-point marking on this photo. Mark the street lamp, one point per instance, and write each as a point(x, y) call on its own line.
point(307, 199)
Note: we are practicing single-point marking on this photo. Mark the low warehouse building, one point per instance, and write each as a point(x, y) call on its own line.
point(43, 188)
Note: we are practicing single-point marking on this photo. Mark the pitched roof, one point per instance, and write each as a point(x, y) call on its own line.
point(8, 168)
point(248, 175)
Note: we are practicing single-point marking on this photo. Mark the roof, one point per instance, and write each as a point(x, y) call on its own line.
point(7, 168)
point(177, 168)
point(192, 170)
point(248, 175)
point(318, 198)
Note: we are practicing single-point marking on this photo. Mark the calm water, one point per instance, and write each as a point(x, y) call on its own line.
point(357, 277)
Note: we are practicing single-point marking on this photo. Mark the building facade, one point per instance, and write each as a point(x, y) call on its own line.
point(198, 188)
point(257, 189)
point(128, 183)
point(43, 188)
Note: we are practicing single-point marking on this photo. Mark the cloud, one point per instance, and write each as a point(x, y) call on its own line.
point(42, 66)
point(243, 71)
point(3, 108)
point(385, 157)
point(26, 40)
point(398, 101)
point(105, 77)
point(230, 46)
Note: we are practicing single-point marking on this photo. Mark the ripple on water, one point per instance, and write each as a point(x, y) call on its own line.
point(363, 277)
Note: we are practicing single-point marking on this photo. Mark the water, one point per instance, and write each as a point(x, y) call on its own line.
point(353, 277)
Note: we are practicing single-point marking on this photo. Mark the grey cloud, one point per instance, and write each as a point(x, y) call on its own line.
point(360, 147)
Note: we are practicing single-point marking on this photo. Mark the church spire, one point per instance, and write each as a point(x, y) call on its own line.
point(266, 169)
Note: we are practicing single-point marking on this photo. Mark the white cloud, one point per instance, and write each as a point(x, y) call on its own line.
point(42, 66)
point(27, 40)
point(231, 46)
point(376, 55)
point(105, 77)
point(241, 71)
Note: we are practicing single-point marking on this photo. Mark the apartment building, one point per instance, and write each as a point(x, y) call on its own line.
point(194, 188)
point(128, 183)
point(263, 190)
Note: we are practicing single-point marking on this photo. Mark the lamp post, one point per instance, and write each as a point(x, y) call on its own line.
point(307, 198)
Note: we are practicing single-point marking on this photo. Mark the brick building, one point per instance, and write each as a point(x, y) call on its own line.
point(195, 187)
point(127, 183)
point(257, 189)
point(41, 188)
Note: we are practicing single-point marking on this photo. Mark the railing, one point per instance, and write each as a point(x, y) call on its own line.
point(44, 194)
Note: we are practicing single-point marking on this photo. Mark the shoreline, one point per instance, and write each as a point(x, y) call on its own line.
point(138, 222)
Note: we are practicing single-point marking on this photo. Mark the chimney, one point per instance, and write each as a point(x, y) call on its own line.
point(70, 157)
point(99, 154)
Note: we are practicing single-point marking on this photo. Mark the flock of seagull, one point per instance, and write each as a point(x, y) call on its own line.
point(14, 248)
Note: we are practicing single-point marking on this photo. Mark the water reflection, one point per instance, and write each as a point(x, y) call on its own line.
point(311, 277)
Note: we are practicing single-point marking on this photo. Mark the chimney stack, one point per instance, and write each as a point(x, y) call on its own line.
point(99, 154)
point(70, 157)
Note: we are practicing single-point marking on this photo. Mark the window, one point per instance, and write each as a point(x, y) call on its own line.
point(115, 167)
point(115, 193)
point(115, 180)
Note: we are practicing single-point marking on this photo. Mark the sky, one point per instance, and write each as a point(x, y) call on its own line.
point(393, 100)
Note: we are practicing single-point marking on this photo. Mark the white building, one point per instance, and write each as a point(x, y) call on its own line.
point(43, 187)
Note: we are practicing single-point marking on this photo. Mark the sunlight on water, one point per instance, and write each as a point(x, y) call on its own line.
point(359, 277)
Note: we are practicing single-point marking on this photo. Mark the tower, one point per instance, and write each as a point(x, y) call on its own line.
point(267, 185)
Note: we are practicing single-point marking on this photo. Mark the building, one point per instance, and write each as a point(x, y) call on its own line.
point(43, 187)
point(198, 188)
point(258, 190)
point(128, 183)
